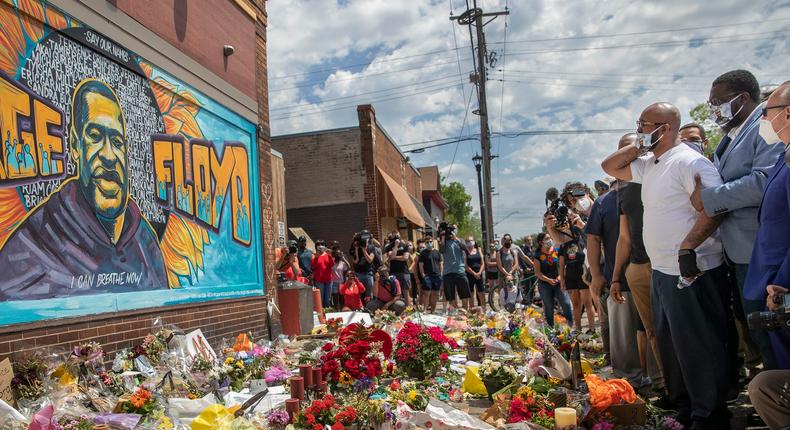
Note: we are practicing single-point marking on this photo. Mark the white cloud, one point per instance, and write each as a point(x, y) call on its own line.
point(548, 86)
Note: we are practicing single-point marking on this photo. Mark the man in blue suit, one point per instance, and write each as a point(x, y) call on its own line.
point(743, 160)
point(769, 270)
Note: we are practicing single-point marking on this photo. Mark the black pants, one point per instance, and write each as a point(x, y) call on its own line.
point(456, 282)
point(691, 334)
point(404, 279)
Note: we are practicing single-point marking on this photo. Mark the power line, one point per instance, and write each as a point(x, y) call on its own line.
point(639, 33)
point(502, 96)
point(707, 41)
point(461, 132)
point(363, 76)
point(399, 58)
point(318, 111)
point(365, 93)
point(521, 133)
point(639, 87)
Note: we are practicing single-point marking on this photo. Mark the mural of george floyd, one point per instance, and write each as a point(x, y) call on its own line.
point(121, 186)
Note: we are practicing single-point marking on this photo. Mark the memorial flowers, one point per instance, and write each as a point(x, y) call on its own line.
point(325, 412)
point(142, 402)
point(421, 351)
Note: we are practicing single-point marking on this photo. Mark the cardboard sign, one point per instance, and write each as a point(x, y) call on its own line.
point(6, 375)
point(198, 345)
point(433, 320)
point(352, 317)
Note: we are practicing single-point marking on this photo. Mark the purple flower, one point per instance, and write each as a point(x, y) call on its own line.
point(602, 425)
point(278, 416)
point(670, 423)
point(276, 374)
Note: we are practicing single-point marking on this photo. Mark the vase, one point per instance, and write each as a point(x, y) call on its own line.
point(475, 353)
point(492, 386)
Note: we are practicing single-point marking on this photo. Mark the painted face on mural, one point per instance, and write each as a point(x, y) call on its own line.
point(99, 147)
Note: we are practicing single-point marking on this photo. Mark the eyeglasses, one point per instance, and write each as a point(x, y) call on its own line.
point(716, 103)
point(765, 109)
point(640, 123)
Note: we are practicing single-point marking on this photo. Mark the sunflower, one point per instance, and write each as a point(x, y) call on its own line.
point(345, 378)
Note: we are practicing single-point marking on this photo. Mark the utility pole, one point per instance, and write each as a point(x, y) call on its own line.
point(475, 17)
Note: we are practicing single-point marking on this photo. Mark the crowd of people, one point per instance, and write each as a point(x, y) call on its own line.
point(665, 259)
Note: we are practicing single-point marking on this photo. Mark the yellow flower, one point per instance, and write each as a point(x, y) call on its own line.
point(240, 364)
point(165, 424)
point(412, 395)
point(229, 360)
point(345, 378)
point(525, 392)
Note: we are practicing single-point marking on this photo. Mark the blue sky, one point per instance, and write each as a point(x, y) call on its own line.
point(412, 63)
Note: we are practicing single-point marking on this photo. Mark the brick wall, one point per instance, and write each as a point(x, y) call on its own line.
point(322, 168)
point(217, 320)
point(367, 139)
point(333, 222)
point(392, 162)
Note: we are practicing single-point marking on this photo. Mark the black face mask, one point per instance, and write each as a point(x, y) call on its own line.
point(507, 244)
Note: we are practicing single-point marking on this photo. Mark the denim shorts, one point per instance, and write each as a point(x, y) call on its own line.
point(432, 283)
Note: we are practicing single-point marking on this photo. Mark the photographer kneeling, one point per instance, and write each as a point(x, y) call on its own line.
point(454, 271)
point(386, 294)
point(769, 391)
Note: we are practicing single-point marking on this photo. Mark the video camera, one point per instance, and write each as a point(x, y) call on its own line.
point(772, 320)
point(363, 237)
point(555, 204)
point(292, 248)
point(445, 229)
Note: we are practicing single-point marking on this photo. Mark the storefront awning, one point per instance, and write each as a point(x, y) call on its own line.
point(426, 217)
point(398, 202)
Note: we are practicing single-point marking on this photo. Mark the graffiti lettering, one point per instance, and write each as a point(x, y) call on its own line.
point(200, 192)
point(31, 134)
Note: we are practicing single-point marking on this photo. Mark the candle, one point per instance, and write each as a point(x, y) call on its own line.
point(305, 371)
point(318, 376)
point(565, 418)
point(323, 388)
point(292, 407)
point(297, 388)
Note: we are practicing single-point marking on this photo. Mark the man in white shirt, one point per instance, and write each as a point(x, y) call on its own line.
point(690, 322)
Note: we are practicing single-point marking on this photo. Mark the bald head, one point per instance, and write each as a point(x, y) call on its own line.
point(780, 96)
point(626, 140)
point(664, 113)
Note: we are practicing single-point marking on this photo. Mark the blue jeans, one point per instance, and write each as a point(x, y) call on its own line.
point(759, 337)
point(367, 281)
point(326, 293)
point(691, 335)
point(549, 293)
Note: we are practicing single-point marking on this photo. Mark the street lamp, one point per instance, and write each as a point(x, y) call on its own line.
point(478, 161)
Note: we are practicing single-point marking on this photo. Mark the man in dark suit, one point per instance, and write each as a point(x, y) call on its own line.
point(769, 269)
point(744, 160)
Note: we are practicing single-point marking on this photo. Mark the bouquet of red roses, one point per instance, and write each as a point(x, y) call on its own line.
point(357, 363)
point(325, 412)
point(421, 351)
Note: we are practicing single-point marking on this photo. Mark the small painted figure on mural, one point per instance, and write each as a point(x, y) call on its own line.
point(89, 236)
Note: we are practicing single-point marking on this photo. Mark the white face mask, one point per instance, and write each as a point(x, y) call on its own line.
point(722, 114)
point(583, 204)
point(767, 130)
point(645, 142)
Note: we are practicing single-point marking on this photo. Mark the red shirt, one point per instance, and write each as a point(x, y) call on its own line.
point(352, 293)
point(322, 268)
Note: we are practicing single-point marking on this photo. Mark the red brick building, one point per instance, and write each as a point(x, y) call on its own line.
point(187, 41)
point(432, 192)
point(343, 180)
